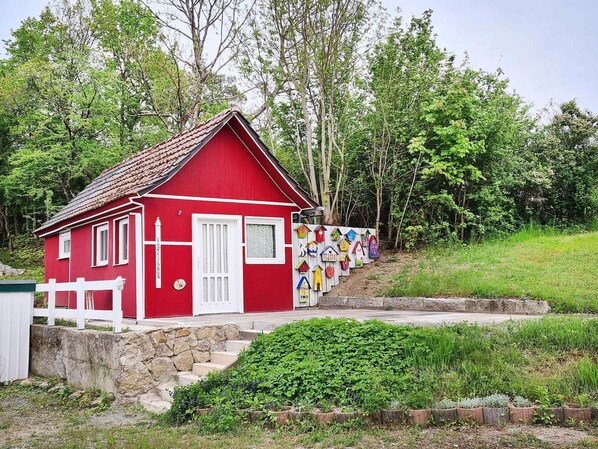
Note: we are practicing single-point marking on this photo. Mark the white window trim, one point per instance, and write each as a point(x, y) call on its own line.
point(279, 245)
point(61, 238)
point(95, 249)
point(116, 252)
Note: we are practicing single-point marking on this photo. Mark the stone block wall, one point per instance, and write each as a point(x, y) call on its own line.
point(127, 364)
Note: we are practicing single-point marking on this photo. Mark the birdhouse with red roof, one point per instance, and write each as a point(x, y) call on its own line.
point(320, 234)
point(302, 266)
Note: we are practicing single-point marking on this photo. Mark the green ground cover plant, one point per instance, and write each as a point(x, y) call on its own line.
point(369, 365)
point(556, 266)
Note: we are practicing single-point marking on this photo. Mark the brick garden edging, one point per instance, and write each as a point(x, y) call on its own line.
point(470, 305)
point(427, 417)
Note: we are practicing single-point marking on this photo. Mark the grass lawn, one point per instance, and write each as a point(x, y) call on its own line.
point(559, 268)
point(34, 418)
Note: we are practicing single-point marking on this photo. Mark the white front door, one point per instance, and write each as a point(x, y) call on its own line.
point(217, 264)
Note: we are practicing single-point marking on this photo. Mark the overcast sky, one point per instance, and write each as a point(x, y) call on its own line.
point(547, 48)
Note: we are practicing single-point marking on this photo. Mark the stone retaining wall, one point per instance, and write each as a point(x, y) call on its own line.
point(127, 364)
point(471, 305)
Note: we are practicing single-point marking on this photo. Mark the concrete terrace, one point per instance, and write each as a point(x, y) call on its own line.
point(270, 320)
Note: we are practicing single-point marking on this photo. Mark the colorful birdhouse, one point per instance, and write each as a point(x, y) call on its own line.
point(336, 234)
point(302, 231)
point(344, 245)
point(373, 248)
point(358, 249)
point(345, 260)
point(329, 254)
point(317, 279)
point(351, 235)
point(302, 266)
point(320, 234)
point(304, 288)
point(312, 248)
point(365, 238)
point(358, 253)
point(329, 271)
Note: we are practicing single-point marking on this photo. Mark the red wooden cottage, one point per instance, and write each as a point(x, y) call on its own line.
point(200, 223)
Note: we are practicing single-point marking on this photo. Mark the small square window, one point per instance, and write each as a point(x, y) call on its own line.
point(64, 245)
point(100, 245)
point(261, 241)
point(264, 240)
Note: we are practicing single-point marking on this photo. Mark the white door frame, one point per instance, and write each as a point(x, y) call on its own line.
point(236, 262)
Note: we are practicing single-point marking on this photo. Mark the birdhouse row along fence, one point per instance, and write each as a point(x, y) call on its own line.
point(322, 254)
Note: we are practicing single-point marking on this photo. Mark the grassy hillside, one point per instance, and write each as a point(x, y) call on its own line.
point(28, 255)
point(559, 268)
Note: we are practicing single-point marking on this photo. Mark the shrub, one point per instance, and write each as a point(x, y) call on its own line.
point(496, 400)
point(470, 403)
point(520, 401)
point(446, 404)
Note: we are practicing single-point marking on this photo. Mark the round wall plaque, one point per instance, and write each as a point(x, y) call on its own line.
point(179, 284)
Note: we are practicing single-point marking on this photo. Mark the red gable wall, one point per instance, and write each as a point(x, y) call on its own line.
point(224, 168)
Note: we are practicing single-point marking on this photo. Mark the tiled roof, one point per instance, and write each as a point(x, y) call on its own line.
point(140, 170)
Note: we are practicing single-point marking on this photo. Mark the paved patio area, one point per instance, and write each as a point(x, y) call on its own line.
point(271, 320)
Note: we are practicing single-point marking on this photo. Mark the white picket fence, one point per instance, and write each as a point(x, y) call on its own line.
point(81, 313)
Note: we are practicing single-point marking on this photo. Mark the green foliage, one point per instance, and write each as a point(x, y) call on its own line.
point(371, 365)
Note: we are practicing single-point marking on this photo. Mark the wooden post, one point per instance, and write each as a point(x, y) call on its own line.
point(117, 311)
point(51, 301)
point(80, 303)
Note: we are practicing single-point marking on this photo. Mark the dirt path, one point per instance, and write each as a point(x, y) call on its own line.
point(32, 418)
point(373, 279)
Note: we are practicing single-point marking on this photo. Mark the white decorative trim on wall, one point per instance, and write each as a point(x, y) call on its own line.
point(158, 225)
point(217, 200)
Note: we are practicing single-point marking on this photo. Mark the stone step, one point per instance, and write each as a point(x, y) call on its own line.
point(251, 334)
point(202, 369)
point(153, 403)
point(164, 391)
point(224, 357)
point(184, 378)
point(267, 326)
point(237, 345)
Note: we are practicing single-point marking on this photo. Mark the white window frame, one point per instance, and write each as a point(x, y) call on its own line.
point(117, 230)
point(95, 247)
point(279, 246)
point(62, 237)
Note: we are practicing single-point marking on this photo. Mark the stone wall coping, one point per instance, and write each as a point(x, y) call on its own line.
point(508, 306)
